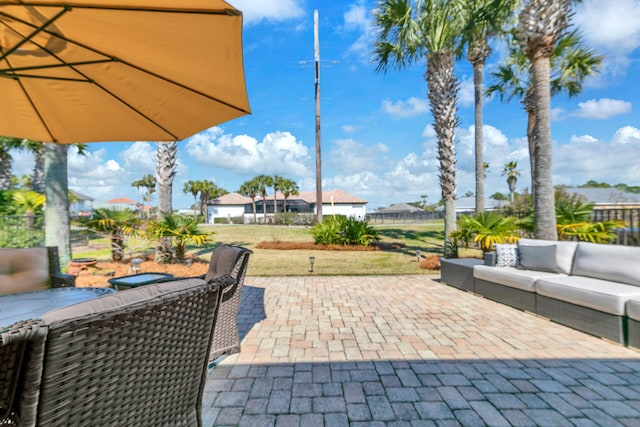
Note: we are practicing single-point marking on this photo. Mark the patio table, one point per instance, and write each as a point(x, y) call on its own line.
point(23, 307)
point(135, 280)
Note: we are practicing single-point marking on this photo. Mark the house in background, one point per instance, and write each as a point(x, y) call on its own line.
point(401, 208)
point(335, 202)
point(82, 206)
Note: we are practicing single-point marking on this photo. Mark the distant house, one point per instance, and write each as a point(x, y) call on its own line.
point(468, 205)
point(400, 208)
point(82, 206)
point(333, 202)
point(607, 198)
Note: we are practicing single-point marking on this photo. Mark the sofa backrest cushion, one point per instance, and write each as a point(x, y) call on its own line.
point(23, 270)
point(608, 262)
point(565, 252)
point(539, 258)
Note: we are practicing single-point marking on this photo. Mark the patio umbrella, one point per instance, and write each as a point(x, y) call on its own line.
point(119, 70)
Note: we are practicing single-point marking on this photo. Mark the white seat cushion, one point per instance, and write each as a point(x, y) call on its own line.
point(509, 276)
point(633, 309)
point(598, 294)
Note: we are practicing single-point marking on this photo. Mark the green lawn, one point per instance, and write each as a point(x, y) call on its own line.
point(402, 259)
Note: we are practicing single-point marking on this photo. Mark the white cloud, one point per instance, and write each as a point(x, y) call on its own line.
point(278, 153)
point(466, 95)
point(409, 108)
point(349, 154)
point(602, 108)
point(255, 11)
point(350, 128)
point(627, 135)
point(557, 114)
point(612, 28)
point(358, 19)
point(140, 156)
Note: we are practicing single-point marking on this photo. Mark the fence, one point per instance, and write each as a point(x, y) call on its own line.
point(18, 231)
point(402, 217)
point(629, 235)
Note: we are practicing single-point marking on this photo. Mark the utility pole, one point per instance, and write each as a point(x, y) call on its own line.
point(316, 45)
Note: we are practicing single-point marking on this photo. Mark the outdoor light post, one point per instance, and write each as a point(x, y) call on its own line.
point(418, 255)
point(312, 259)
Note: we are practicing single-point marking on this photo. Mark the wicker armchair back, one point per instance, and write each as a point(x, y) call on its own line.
point(136, 357)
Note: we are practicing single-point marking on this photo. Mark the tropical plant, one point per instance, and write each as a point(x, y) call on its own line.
point(29, 202)
point(486, 229)
point(250, 189)
point(409, 32)
point(484, 20)
point(512, 173)
point(182, 230)
point(340, 230)
point(119, 225)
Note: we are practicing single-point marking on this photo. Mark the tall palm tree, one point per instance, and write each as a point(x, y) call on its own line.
point(278, 182)
point(485, 19)
point(37, 148)
point(410, 32)
point(149, 183)
point(166, 162)
point(571, 63)
point(540, 25)
point(208, 191)
point(264, 182)
point(57, 230)
point(512, 173)
point(289, 188)
point(193, 187)
point(250, 189)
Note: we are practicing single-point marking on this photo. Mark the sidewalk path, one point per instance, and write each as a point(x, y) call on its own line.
point(410, 351)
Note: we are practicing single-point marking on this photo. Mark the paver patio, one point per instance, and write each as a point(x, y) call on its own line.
point(410, 351)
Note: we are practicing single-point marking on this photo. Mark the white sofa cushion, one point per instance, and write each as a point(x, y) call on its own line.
point(565, 252)
point(608, 262)
point(633, 309)
point(603, 295)
point(509, 276)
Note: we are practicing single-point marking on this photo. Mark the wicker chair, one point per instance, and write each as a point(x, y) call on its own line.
point(136, 357)
point(228, 260)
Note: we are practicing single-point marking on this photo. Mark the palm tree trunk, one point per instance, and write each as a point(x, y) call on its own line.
point(56, 213)
point(5, 169)
point(255, 217)
point(530, 108)
point(37, 179)
point(478, 74)
point(443, 93)
point(545, 215)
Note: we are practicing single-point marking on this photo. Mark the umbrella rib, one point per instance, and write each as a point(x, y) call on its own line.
point(11, 73)
point(225, 11)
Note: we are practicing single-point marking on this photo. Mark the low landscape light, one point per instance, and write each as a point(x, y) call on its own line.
point(312, 259)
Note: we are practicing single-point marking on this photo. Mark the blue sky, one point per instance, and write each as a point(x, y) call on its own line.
point(377, 140)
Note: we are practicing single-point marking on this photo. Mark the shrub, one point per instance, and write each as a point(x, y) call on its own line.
point(345, 231)
point(486, 229)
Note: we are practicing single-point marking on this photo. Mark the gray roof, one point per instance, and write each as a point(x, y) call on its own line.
point(400, 207)
point(605, 196)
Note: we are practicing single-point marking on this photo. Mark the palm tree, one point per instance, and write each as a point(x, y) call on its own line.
point(264, 182)
point(250, 189)
point(485, 19)
point(278, 182)
point(571, 63)
point(166, 162)
point(193, 187)
point(182, 230)
point(57, 230)
point(119, 224)
point(29, 201)
point(149, 183)
point(209, 191)
point(409, 32)
point(288, 188)
point(512, 173)
point(37, 148)
point(540, 25)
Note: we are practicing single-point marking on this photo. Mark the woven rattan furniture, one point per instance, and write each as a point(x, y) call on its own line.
point(228, 260)
point(137, 357)
point(458, 272)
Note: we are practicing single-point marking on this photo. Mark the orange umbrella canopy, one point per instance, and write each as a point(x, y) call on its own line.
point(119, 70)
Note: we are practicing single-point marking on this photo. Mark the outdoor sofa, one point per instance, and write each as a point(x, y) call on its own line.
point(591, 287)
point(31, 269)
